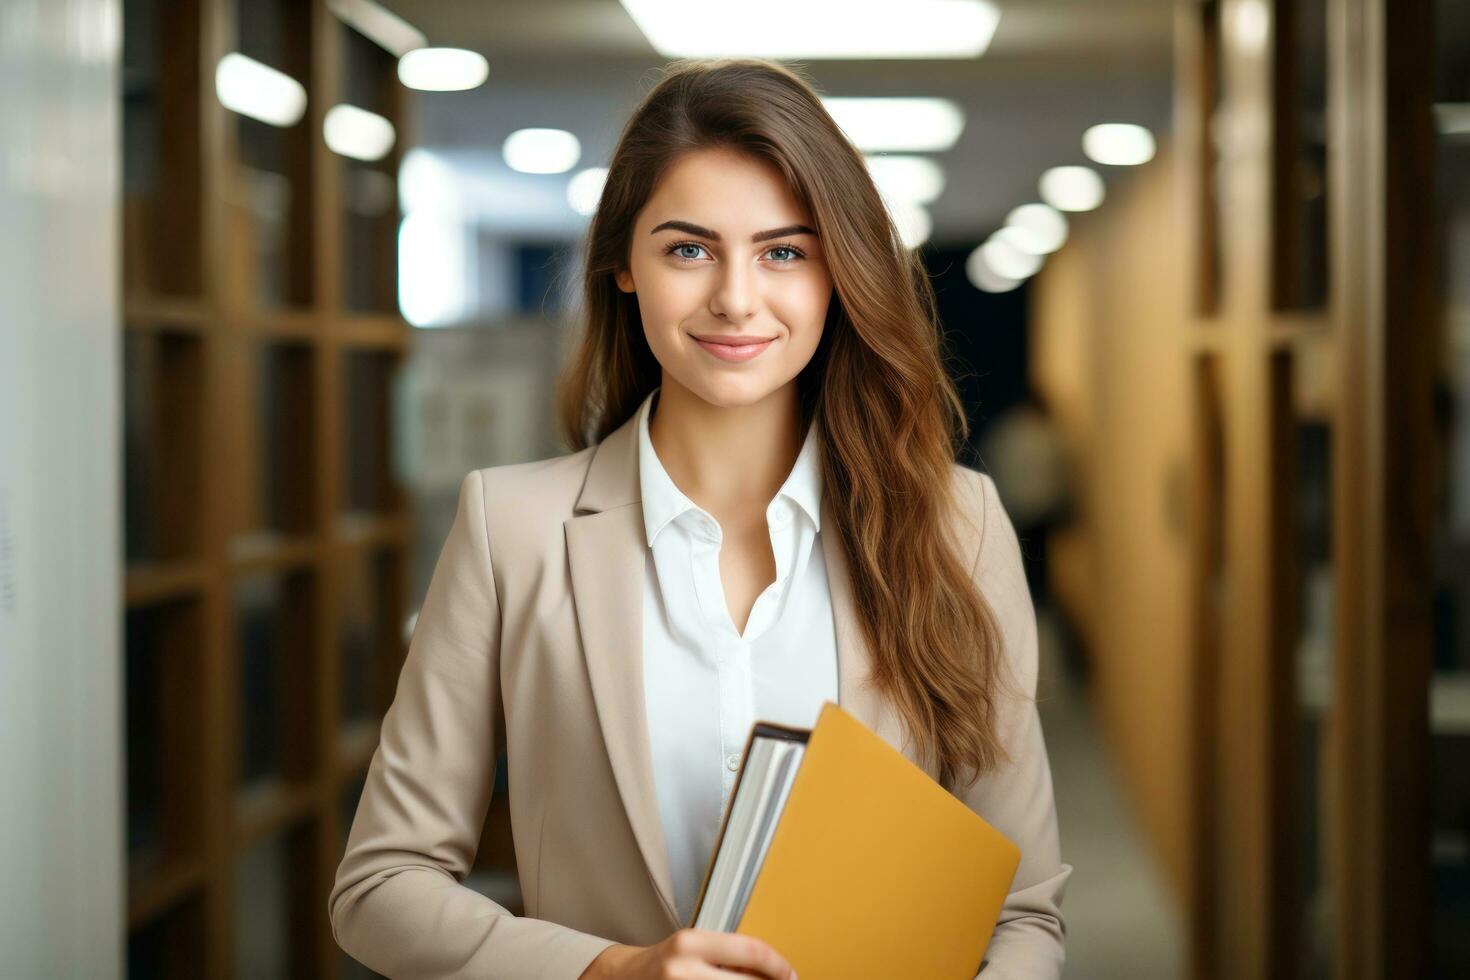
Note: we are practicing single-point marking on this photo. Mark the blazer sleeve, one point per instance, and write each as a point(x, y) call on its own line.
point(1016, 798)
point(398, 905)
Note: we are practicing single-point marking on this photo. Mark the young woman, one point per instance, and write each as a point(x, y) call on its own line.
point(763, 513)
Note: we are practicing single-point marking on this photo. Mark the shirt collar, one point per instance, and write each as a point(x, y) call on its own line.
point(663, 500)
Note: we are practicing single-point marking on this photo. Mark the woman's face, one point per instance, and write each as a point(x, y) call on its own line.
point(731, 281)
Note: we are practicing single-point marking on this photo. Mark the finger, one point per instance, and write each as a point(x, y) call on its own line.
point(708, 971)
point(730, 950)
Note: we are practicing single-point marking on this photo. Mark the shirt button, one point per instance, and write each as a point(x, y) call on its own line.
point(732, 762)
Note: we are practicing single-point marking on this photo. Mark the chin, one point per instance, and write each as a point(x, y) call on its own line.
point(733, 389)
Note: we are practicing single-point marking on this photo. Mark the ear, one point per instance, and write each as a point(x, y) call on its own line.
point(625, 280)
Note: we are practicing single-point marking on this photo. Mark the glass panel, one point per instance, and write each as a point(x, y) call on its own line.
point(171, 947)
point(369, 188)
point(276, 677)
point(1450, 687)
point(162, 466)
point(161, 149)
point(370, 638)
point(368, 482)
point(274, 910)
point(275, 161)
point(163, 730)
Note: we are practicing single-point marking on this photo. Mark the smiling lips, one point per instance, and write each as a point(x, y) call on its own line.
point(733, 347)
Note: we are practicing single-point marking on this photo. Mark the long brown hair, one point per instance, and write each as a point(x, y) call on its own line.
point(891, 418)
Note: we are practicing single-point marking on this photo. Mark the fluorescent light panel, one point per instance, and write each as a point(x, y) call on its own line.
point(907, 178)
point(357, 133)
point(584, 190)
point(1072, 188)
point(905, 125)
point(1042, 227)
point(912, 221)
point(817, 28)
point(443, 69)
point(983, 277)
point(1007, 260)
point(252, 89)
point(1118, 144)
point(541, 151)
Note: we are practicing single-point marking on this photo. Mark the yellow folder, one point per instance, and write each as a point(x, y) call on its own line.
point(875, 871)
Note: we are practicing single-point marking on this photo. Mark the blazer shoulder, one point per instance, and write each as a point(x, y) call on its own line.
point(530, 498)
point(975, 499)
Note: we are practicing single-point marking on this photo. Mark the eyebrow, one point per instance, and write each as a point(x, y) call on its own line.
point(714, 236)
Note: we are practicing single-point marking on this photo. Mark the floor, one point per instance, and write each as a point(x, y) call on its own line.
point(1121, 923)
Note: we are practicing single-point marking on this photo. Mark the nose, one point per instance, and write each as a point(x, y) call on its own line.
point(736, 294)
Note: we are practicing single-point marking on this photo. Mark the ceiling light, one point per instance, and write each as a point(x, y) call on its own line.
point(913, 125)
point(357, 133)
point(1046, 225)
point(1022, 238)
point(817, 28)
point(541, 151)
point(1072, 188)
point(907, 178)
point(913, 222)
point(983, 277)
point(584, 190)
point(1008, 260)
point(252, 89)
point(442, 69)
point(1118, 144)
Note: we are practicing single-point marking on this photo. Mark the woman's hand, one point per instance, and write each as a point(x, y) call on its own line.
point(691, 954)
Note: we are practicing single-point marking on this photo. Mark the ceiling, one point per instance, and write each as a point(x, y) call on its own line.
point(1054, 68)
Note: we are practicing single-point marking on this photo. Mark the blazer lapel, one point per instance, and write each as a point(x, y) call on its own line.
point(605, 550)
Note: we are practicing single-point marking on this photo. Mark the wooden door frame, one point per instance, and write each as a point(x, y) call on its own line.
point(1382, 76)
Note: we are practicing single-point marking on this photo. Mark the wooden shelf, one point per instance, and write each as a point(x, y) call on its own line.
point(147, 584)
point(371, 332)
point(269, 807)
point(270, 551)
point(150, 895)
point(261, 341)
point(164, 313)
point(356, 530)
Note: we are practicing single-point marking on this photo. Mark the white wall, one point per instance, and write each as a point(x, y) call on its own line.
point(61, 812)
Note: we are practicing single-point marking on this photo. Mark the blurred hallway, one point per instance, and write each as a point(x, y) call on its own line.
point(1121, 923)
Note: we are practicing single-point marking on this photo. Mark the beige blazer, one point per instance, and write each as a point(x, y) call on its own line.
point(530, 638)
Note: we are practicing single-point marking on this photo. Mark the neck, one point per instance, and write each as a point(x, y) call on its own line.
point(726, 459)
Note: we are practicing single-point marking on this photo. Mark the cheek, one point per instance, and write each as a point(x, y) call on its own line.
point(803, 306)
point(666, 300)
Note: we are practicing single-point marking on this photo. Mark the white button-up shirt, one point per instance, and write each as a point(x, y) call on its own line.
point(705, 683)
